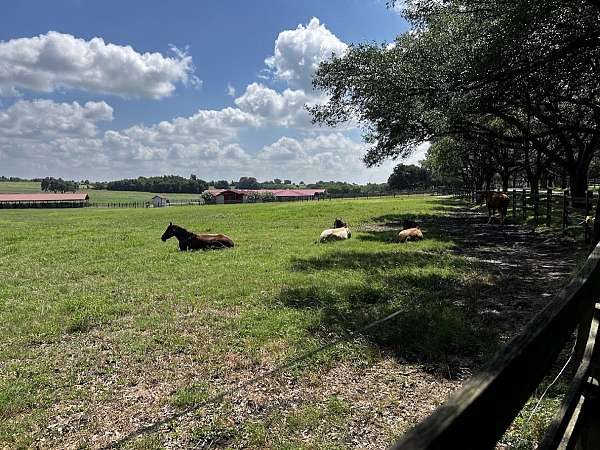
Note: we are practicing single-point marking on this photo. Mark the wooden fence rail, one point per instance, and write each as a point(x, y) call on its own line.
point(478, 416)
point(546, 205)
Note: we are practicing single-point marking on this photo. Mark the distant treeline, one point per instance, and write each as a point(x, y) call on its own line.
point(193, 185)
point(403, 177)
point(58, 185)
point(3, 178)
point(166, 184)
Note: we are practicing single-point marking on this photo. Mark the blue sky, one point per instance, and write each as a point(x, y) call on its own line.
point(103, 90)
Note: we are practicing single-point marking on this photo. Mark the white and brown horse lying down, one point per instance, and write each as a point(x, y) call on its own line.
point(410, 234)
point(496, 201)
point(335, 234)
point(339, 232)
point(191, 241)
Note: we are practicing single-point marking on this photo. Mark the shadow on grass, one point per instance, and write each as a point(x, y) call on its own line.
point(429, 329)
point(361, 260)
point(453, 311)
point(437, 325)
point(385, 228)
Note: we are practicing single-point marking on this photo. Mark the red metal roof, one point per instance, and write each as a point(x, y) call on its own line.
point(275, 192)
point(70, 197)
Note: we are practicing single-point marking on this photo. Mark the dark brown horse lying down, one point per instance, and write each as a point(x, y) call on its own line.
point(191, 241)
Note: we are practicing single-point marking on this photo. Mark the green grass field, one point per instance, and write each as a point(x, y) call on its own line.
point(105, 327)
point(96, 196)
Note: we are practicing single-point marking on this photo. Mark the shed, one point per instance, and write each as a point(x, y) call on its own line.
point(159, 201)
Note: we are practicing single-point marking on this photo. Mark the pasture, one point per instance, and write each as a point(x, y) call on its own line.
point(96, 196)
point(107, 330)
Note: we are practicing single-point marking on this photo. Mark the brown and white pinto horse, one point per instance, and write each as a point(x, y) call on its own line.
point(335, 234)
point(496, 201)
point(410, 234)
point(191, 241)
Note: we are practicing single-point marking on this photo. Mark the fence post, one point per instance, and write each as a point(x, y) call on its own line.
point(588, 196)
point(524, 204)
point(548, 207)
point(536, 206)
point(565, 218)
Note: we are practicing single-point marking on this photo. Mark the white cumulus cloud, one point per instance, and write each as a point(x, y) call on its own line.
point(330, 156)
point(43, 137)
point(55, 60)
point(230, 90)
point(298, 52)
point(200, 136)
point(45, 118)
point(281, 109)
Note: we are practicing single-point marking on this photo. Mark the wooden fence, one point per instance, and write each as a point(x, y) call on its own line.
point(399, 193)
point(119, 205)
point(478, 416)
point(140, 204)
point(548, 207)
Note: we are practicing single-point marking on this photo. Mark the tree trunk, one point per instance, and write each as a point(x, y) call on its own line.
point(488, 182)
point(578, 184)
point(505, 180)
point(563, 179)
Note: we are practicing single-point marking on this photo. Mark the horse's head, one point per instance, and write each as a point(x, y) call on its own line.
point(484, 196)
point(169, 232)
point(339, 223)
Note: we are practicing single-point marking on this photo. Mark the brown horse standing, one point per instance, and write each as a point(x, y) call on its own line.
point(496, 201)
point(191, 241)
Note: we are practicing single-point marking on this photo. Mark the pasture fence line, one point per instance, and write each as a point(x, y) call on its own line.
point(545, 207)
point(140, 204)
point(435, 190)
point(479, 415)
point(119, 205)
point(325, 197)
point(42, 204)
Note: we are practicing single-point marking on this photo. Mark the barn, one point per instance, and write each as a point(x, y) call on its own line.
point(224, 196)
point(34, 200)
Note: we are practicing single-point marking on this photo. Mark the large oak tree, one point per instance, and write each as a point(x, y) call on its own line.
point(467, 65)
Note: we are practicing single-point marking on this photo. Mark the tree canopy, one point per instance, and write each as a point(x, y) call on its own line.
point(515, 74)
point(58, 185)
point(164, 184)
point(409, 177)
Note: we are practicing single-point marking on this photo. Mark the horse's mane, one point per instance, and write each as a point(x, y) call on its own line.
point(177, 227)
point(178, 230)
